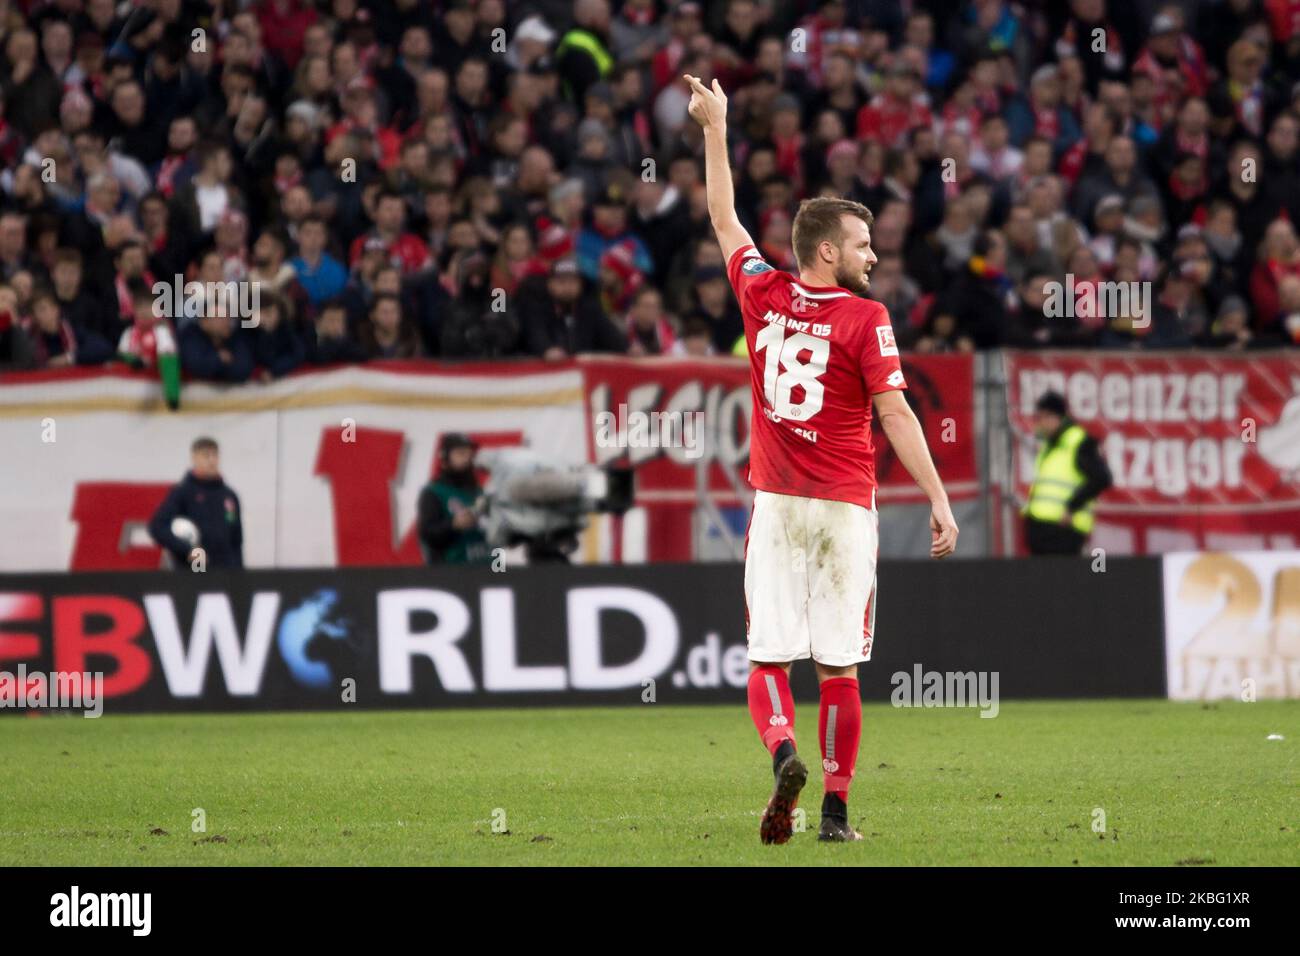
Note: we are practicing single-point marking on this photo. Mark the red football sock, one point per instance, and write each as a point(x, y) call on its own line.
point(840, 729)
point(771, 706)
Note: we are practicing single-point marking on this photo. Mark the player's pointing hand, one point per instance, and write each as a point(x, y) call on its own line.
point(708, 107)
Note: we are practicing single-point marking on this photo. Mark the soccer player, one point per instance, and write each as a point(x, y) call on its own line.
point(820, 357)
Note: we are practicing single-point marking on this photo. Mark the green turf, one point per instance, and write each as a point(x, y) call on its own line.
point(1185, 784)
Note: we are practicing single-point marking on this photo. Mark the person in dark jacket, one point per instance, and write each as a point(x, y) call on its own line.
point(16, 350)
point(558, 320)
point(448, 511)
point(276, 346)
point(329, 342)
point(206, 500)
point(1068, 476)
point(211, 350)
point(978, 297)
point(473, 329)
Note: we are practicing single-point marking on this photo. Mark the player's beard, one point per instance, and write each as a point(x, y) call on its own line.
point(855, 282)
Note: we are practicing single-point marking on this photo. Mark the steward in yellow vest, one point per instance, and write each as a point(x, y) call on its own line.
point(1068, 476)
point(582, 56)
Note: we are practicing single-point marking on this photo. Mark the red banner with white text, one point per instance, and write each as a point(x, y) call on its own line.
point(1204, 448)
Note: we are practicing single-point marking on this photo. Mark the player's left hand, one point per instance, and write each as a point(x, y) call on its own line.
point(943, 531)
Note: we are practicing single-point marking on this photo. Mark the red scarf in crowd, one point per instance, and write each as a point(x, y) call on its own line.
point(1186, 191)
point(125, 306)
point(165, 182)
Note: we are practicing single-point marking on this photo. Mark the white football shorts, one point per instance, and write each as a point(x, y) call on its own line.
point(810, 580)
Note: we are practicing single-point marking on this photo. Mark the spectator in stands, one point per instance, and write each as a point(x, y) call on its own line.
point(979, 298)
point(994, 156)
point(53, 340)
point(210, 191)
point(1030, 327)
point(13, 244)
point(696, 340)
point(82, 311)
point(714, 300)
point(478, 324)
point(276, 345)
point(1230, 329)
point(388, 333)
point(270, 270)
point(30, 89)
point(482, 207)
point(149, 343)
point(231, 241)
point(896, 110)
point(1176, 317)
point(168, 245)
point(1224, 241)
point(1287, 328)
point(1069, 474)
point(23, 285)
point(609, 227)
point(1279, 257)
point(649, 330)
point(178, 164)
point(404, 249)
point(16, 352)
point(131, 267)
point(1255, 210)
point(619, 279)
point(1042, 114)
point(321, 275)
point(212, 351)
point(1120, 176)
point(515, 259)
point(329, 342)
point(560, 320)
point(942, 332)
point(1108, 230)
point(204, 498)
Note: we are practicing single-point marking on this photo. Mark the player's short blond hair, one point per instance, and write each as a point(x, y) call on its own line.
point(820, 220)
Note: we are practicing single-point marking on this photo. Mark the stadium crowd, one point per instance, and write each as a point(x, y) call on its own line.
point(462, 179)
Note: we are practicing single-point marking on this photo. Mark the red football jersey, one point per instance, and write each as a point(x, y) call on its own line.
point(816, 356)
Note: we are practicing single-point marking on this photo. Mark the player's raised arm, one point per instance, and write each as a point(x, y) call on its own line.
point(905, 435)
point(709, 108)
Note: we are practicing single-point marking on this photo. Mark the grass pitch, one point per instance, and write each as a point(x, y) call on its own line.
point(1178, 784)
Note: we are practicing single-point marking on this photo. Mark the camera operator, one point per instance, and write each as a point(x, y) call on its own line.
point(449, 508)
